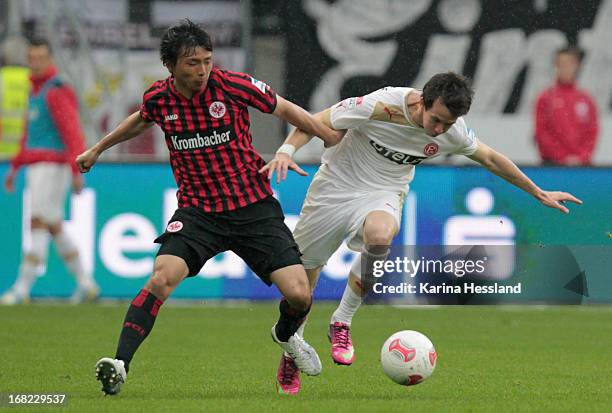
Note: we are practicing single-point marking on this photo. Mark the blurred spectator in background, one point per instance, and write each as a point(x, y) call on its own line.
point(52, 141)
point(14, 90)
point(566, 117)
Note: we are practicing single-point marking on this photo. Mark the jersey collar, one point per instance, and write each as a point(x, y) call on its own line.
point(409, 119)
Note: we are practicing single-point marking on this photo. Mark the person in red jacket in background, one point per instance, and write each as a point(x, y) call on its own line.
point(567, 123)
point(51, 142)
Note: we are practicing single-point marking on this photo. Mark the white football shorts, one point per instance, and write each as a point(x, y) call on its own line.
point(48, 184)
point(332, 213)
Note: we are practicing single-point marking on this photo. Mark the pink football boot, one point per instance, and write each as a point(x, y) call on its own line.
point(287, 376)
point(342, 344)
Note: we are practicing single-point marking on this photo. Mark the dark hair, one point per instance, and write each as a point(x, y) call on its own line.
point(571, 50)
point(40, 41)
point(181, 40)
point(453, 90)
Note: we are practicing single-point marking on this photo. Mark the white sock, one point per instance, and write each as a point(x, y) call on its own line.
point(26, 278)
point(28, 270)
point(67, 248)
point(348, 307)
point(300, 330)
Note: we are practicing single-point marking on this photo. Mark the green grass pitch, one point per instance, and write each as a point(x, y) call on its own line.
point(221, 359)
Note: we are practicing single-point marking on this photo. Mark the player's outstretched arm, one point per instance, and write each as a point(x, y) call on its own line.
point(132, 126)
point(301, 119)
point(503, 167)
point(283, 160)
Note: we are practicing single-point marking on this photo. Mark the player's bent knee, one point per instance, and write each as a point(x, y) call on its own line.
point(158, 287)
point(159, 280)
point(37, 223)
point(300, 299)
point(165, 279)
point(71, 256)
point(55, 229)
point(381, 236)
point(33, 258)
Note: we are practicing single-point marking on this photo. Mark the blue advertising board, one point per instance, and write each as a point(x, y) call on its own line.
point(125, 206)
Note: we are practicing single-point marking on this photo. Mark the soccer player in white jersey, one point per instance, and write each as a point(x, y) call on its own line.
point(359, 189)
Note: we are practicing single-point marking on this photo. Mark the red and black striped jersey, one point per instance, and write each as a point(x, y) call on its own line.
point(213, 160)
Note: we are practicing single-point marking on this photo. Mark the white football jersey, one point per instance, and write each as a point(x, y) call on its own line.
point(383, 144)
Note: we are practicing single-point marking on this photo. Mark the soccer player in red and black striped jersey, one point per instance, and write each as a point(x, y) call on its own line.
point(224, 202)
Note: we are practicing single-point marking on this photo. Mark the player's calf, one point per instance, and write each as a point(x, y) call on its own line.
point(284, 333)
point(137, 325)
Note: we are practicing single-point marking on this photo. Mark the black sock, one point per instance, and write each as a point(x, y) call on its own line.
point(137, 325)
point(289, 320)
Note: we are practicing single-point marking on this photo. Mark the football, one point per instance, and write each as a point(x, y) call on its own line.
point(408, 357)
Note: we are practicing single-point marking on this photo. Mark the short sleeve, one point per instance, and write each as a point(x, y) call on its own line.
point(146, 108)
point(352, 112)
point(250, 91)
point(465, 139)
point(145, 114)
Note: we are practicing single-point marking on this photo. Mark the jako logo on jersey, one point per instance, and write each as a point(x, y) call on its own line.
point(217, 109)
point(197, 142)
point(431, 149)
point(259, 85)
point(174, 116)
point(174, 226)
point(397, 157)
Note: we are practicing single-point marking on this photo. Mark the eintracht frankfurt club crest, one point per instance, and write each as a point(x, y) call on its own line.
point(174, 226)
point(217, 109)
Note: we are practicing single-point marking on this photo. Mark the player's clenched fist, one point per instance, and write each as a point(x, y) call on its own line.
point(87, 159)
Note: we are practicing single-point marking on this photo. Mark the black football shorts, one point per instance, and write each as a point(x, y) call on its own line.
point(256, 233)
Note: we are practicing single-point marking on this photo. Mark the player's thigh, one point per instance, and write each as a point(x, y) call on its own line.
point(379, 214)
point(193, 236)
point(321, 230)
